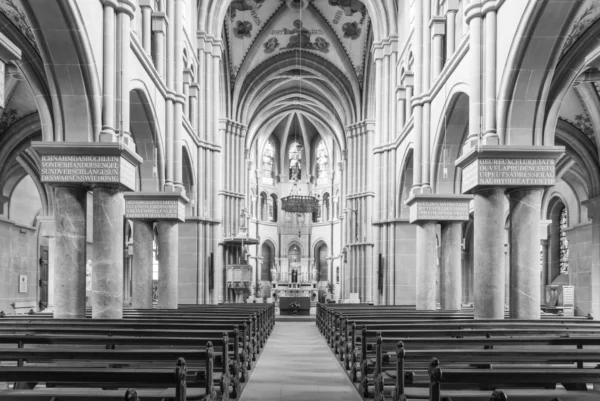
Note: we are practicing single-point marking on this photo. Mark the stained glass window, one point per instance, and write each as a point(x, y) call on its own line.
point(295, 158)
point(564, 242)
point(267, 159)
point(322, 160)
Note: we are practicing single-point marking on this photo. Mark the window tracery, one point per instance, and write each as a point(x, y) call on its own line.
point(322, 161)
point(268, 157)
point(295, 161)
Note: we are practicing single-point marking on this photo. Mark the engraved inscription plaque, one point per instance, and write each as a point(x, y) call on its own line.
point(87, 163)
point(152, 209)
point(437, 207)
point(511, 172)
point(155, 206)
point(72, 168)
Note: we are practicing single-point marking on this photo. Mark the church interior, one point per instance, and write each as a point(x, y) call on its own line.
point(299, 200)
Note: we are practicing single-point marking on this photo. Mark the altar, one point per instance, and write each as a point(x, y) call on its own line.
point(294, 279)
point(287, 305)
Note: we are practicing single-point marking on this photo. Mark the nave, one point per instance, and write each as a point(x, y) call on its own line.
point(297, 365)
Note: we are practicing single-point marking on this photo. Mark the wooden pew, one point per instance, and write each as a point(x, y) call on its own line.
point(156, 328)
point(100, 377)
point(436, 337)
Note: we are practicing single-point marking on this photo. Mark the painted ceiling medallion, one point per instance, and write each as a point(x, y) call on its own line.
point(297, 4)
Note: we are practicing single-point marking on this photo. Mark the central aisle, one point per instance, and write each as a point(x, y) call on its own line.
point(297, 364)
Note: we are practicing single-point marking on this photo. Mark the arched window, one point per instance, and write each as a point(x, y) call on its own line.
point(267, 159)
point(322, 161)
point(263, 207)
point(325, 213)
point(564, 243)
point(273, 208)
point(295, 161)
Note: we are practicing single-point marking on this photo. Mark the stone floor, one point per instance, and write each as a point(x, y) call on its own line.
point(297, 364)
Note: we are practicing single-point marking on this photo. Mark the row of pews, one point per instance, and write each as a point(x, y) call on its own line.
point(199, 352)
point(397, 353)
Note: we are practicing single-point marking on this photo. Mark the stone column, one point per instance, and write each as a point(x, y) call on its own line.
point(159, 27)
point(490, 136)
point(125, 14)
point(147, 7)
point(489, 254)
point(451, 10)
point(110, 162)
point(194, 93)
point(408, 82)
point(544, 270)
point(473, 18)
point(451, 266)
point(70, 258)
point(426, 265)
point(187, 80)
point(401, 110)
point(143, 241)
point(525, 205)
point(107, 252)
point(485, 172)
point(168, 252)
point(438, 30)
point(109, 71)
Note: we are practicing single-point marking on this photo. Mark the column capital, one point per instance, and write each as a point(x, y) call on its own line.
point(544, 229)
point(438, 208)
point(47, 226)
point(157, 206)
point(209, 44)
point(408, 79)
point(509, 166)
point(160, 21)
point(437, 26)
point(451, 6)
point(478, 8)
point(194, 89)
point(147, 4)
point(593, 207)
point(385, 47)
point(121, 6)
point(105, 164)
point(401, 92)
point(188, 77)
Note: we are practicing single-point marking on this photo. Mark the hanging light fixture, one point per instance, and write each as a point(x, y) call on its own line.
point(295, 202)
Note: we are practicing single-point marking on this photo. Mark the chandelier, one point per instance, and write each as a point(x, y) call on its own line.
point(297, 203)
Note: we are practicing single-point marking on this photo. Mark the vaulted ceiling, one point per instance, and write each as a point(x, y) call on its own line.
point(304, 58)
point(335, 30)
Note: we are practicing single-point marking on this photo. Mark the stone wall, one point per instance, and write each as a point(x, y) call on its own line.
point(405, 278)
point(580, 265)
point(18, 256)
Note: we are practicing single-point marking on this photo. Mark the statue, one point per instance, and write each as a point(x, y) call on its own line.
point(273, 274)
point(244, 215)
point(315, 277)
point(245, 254)
point(295, 168)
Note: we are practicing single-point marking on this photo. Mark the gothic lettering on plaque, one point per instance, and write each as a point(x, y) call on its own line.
point(81, 168)
point(153, 209)
point(509, 172)
point(439, 211)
